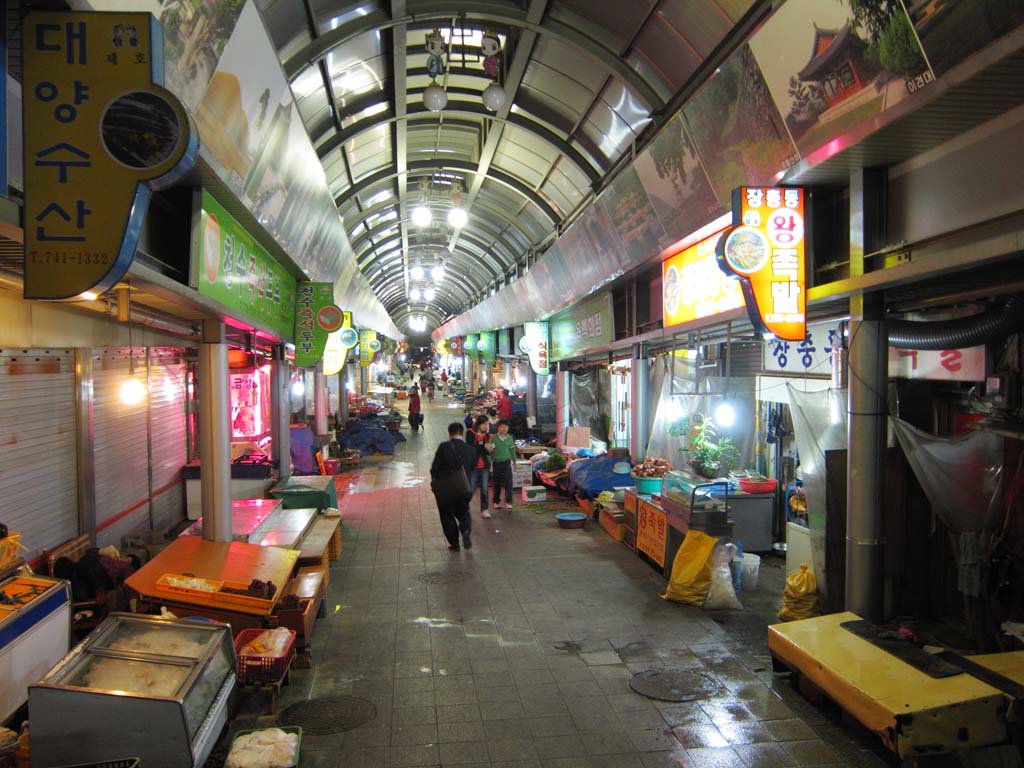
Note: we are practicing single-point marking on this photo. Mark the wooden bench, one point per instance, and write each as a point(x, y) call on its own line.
point(310, 585)
point(315, 547)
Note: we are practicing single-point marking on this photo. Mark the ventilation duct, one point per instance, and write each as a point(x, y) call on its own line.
point(959, 333)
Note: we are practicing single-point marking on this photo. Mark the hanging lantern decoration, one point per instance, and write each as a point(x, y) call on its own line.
point(494, 96)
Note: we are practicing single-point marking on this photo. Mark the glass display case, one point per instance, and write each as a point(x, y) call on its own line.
point(138, 687)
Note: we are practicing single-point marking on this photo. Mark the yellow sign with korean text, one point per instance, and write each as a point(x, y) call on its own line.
point(693, 286)
point(338, 345)
point(100, 134)
point(651, 531)
point(766, 249)
point(369, 345)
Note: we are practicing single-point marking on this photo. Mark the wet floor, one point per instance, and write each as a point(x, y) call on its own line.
point(518, 653)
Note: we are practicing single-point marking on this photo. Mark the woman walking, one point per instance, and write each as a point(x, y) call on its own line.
point(480, 437)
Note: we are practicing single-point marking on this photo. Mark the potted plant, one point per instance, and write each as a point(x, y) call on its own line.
point(711, 456)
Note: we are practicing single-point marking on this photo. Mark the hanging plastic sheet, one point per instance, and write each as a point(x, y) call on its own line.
point(589, 400)
point(671, 418)
point(819, 425)
point(961, 477)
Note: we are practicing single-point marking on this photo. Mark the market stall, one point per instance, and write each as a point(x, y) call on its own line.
point(139, 687)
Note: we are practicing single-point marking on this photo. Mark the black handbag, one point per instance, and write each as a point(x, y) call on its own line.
point(451, 486)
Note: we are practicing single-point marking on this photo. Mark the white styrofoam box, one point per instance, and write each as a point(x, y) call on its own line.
point(534, 493)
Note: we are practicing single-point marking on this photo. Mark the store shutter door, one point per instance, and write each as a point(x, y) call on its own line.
point(38, 466)
point(167, 430)
point(120, 450)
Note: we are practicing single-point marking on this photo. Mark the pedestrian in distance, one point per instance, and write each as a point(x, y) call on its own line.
point(415, 409)
point(501, 463)
point(453, 456)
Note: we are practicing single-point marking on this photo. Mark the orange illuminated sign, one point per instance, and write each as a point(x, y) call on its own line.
point(766, 250)
point(693, 285)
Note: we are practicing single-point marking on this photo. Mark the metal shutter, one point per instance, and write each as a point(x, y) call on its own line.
point(120, 448)
point(38, 464)
point(167, 434)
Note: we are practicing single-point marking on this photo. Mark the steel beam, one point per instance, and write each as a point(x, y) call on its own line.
point(399, 135)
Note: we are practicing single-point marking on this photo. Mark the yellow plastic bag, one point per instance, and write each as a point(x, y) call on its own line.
point(691, 570)
point(800, 597)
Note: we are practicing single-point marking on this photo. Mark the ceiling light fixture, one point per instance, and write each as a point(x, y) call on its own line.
point(437, 273)
point(421, 216)
point(428, 294)
point(457, 218)
point(416, 272)
point(415, 295)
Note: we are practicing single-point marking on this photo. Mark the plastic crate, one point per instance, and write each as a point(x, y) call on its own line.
point(286, 728)
point(265, 669)
point(128, 762)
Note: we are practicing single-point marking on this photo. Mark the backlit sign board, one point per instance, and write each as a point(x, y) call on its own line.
point(694, 287)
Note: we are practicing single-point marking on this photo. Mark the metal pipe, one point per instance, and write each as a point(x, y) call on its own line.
point(531, 394)
point(280, 412)
point(641, 391)
point(343, 395)
point(868, 362)
point(320, 399)
point(958, 333)
point(86, 444)
point(562, 385)
point(214, 433)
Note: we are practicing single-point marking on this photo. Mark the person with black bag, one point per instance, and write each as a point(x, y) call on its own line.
point(453, 462)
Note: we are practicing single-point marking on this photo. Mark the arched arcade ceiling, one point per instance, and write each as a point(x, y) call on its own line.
point(586, 80)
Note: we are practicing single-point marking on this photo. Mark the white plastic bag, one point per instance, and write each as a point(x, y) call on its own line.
point(721, 596)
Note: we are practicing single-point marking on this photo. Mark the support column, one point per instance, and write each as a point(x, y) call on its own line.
point(531, 394)
point(320, 399)
point(364, 380)
point(214, 432)
point(562, 385)
point(280, 413)
point(343, 395)
point(86, 443)
point(640, 381)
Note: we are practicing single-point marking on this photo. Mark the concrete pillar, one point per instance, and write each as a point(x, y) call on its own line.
point(364, 380)
point(531, 394)
point(320, 399)
point(343, 395)
point(640, 385)
point(280, 413)
point(562, 384)
point(214, 432)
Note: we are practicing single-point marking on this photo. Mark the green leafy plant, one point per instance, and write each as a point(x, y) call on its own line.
point(711, 456)
point(555, 461)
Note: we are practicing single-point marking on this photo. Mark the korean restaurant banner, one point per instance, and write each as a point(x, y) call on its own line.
point(368, 346)
point(100, 133)
point(766, 250)
point(455, 344)
point(229, 266)
point(488, 346)
point(581, 327)
point(535, 342)
point(694, 287)
point(338, 344)
point(316, 317)
point(471, 346)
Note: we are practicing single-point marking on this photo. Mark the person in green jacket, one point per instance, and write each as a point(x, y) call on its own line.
point(501, 463)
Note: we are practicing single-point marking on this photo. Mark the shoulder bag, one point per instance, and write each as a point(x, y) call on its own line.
point(451, 485)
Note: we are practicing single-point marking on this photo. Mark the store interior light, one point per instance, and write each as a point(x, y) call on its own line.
point(348, 386)
point(298, 389)
point(437, 273)
point(414, 294)
point(132, 392)
point(725, 415)
point(457, 218)
point(421, 216)
point(416, 272)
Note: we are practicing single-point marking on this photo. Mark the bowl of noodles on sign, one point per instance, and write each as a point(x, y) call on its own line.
point(746, 250)
point(672, 290)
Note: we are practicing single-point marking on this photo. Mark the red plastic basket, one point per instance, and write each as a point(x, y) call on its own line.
point(758, 486)
point(262, 668)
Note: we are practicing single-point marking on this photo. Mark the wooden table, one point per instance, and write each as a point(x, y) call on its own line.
point(315, 545)
point(217, 561)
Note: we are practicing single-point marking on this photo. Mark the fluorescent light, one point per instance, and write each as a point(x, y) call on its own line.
point(298, 389)
point(416, 273)
point(457, 218)
point(421, 216)
point(725, 415)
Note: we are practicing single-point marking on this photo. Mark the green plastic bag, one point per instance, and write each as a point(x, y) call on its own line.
point(691, 570)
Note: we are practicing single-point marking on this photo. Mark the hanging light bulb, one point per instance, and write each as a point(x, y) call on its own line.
point(435, 98)
point(414, 294)
point(428, 294)
point(725, 415)
point(437, 273)
point(416, 272)
point(132, 392)
point(494, 97)
point(457, 218)
point(298, 388)
point(421, 216)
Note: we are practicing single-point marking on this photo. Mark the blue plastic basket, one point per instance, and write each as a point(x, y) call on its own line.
point(648, 484)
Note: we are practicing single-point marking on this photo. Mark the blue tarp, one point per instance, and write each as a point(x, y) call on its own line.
point(589, 477)
point(368, 437)
point(303, 446)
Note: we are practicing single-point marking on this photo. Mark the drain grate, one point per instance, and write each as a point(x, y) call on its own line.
point(326, 716)
point(444, 577)
point(675, 684)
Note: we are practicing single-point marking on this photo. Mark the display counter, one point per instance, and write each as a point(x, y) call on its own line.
point(307, 491)
point(215, 567)
point(138, 687)
point(248, 481)
point(35, 633)
point(251, 520)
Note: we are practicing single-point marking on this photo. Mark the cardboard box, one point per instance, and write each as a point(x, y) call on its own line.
point(522, 473)
point(534, 493)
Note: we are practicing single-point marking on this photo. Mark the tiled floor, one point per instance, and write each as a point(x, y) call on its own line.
point(517, 654)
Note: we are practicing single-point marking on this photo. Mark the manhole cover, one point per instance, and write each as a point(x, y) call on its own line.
point(326, 716)
point(674, 684)
point(443, 577)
